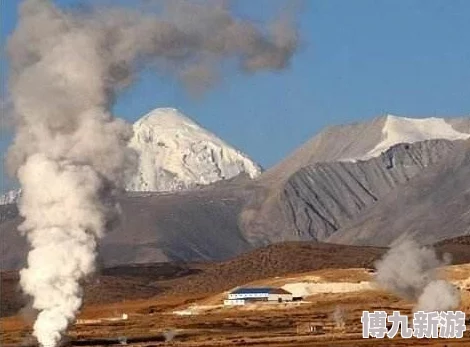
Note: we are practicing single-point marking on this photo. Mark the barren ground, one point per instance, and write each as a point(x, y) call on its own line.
point(150, 294)
point(261, 325)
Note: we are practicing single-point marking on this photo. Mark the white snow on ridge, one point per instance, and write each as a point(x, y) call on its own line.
point(10, 197)
point(408, 130)
point(176, 153)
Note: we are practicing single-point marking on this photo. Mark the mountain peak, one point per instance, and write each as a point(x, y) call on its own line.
point(177, 153)
point(167, 116)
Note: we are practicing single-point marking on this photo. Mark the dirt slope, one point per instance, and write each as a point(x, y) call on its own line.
point(162, 279)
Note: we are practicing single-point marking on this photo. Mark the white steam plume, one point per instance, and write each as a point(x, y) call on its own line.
point(410, 271)
point(339, 317)
point(69, 153)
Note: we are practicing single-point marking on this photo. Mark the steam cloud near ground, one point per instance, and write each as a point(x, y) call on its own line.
point(339, 317)
point(69, 153)
point(411, 272)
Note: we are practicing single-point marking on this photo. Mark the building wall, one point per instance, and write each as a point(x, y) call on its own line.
point(283, 297)
point(235, 302)
point(248, 296)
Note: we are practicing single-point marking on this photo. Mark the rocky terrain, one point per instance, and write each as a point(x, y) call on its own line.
point(141, 281)
point(336, 188)
point(333, 303)
point(434, 207)
point(322, 198)
point(191, 225)
point(10, 197)
point(339, 174)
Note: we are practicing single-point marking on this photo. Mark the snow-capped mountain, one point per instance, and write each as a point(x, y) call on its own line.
point(365, 140)
point(314, 192)
point(417, 188)
point(410, 130)
point(176, 153)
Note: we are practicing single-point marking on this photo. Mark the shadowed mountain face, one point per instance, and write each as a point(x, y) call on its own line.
point(323, 192)
point(317, 190)
point(354, 141)
point(322, 198)
point(194, 225)
point(434, 207)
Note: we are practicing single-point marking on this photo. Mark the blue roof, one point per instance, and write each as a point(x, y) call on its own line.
point(259, 290)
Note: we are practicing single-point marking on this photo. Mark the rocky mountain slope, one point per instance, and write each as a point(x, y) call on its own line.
point(195, 225)
point(365, 140)
point(434, 207)
point(332, 194)
point(410, 130)
point(326, 167)
point(321, 198)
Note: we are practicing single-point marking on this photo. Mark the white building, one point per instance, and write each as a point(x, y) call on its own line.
point(241, 296)
point(234, 302)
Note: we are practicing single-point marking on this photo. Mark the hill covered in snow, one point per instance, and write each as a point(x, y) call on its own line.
point(177, 154)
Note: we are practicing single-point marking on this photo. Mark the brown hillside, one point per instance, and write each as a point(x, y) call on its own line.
point(162, 279)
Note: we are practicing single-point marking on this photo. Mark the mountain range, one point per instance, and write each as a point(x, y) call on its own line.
point(196, 198)
point(175, 153)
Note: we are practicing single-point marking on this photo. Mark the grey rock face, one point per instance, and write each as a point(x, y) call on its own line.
point(324, 197)
point(332, 144)
point(433, 207)
point(194, 225)
point(270, 217)
point(420, 189)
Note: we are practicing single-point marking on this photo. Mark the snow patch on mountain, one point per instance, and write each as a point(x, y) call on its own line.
point(10, 197)
point(409, 130)
point(176, 153)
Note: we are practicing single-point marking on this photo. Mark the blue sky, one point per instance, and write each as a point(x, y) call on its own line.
point(358, 59)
